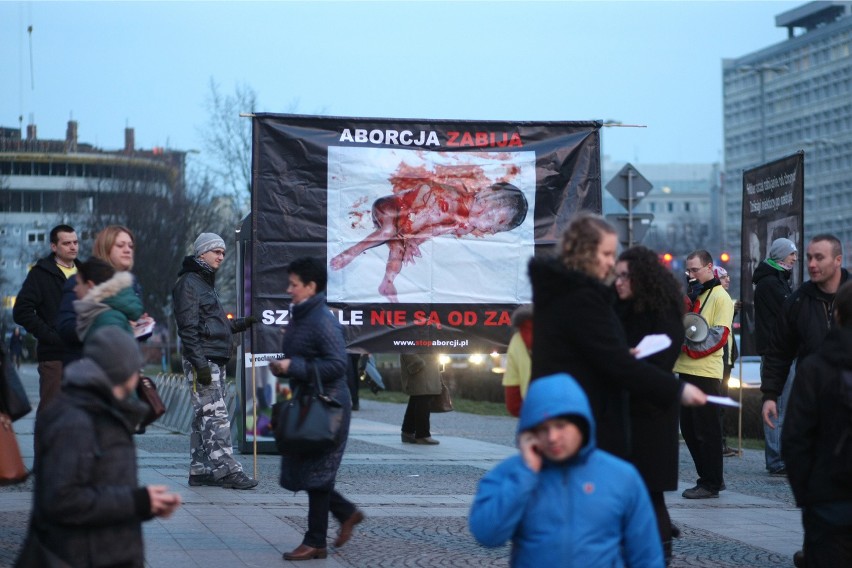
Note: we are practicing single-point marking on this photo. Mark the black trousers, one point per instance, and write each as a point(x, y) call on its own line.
point(416, 420)
point(664, 522)
point(320, 503)
point(702, 431)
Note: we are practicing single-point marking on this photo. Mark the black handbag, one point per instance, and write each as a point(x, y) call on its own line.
point(310, 422)
point(12, 394)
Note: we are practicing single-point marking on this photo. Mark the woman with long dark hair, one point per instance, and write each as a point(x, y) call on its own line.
point(651, 302)
point(576, 331)
point(313, 345)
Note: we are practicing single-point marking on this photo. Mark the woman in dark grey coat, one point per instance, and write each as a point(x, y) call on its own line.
point(313, 343)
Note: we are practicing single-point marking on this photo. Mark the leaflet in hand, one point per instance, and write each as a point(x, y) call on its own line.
point(651, 344)
point(722, 400)
point(143, 327)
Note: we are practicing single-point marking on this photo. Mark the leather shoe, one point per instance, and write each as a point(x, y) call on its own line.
point(346, 528)
point(408, 438)
point(429, 441)
point(305, 552)
point(699, 492)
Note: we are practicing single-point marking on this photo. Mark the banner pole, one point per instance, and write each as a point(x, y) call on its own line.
point(254, 411)
point(740, 414)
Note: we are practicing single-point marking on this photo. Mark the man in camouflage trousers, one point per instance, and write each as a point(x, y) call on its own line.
point(206, 335)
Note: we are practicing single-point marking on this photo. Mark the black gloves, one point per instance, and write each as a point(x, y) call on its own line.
point(204, 376)
point(250, 321)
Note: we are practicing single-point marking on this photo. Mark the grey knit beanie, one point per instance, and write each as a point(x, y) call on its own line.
point(207, 242)
point(781, 249)
point(115, 351)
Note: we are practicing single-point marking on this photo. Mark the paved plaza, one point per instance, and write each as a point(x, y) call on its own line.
point(416, 499)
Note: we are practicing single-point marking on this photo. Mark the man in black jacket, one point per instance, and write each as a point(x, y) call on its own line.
point(207, 340)
point(37, 305)
point(803, 322)
point(818, 442)
point(771, 281)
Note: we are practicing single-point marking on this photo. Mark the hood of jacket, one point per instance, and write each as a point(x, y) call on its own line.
point(190, 265)
point(551, 279)
point(765, 270)
point(554, 396)
point(87, 383)
point(114, 294)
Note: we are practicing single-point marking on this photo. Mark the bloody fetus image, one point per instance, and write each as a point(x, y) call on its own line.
point(424, 205)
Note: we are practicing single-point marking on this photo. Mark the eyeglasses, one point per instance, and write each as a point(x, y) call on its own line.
point(622, 276)
point(695, 270)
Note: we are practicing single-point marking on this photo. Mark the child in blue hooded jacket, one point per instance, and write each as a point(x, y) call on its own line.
point(562, 501)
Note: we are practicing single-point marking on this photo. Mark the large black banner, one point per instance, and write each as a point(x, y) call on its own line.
point(773, 207)
point(426, 226)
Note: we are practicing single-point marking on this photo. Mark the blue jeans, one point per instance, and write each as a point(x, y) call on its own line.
point(772, 450)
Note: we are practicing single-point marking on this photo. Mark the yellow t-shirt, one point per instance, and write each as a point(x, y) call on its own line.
point(68, 272)
point(719, 312)
point(518, 365)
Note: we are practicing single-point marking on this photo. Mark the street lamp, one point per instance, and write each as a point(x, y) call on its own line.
point(761, 71)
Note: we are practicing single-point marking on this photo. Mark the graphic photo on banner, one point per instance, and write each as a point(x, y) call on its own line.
point(418, 226)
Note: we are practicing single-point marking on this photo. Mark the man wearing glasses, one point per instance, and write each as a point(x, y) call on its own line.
point(206, 335)
point(702, 364)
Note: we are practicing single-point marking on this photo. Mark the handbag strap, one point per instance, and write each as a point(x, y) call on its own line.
point(317, 382)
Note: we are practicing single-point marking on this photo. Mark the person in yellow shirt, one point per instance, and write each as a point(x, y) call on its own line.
point(516, 379)
point(702, 364)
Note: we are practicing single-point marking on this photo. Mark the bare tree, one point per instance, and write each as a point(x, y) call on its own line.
point(227, 139)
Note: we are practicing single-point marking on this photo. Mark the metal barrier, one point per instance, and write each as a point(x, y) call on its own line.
point(174, 389)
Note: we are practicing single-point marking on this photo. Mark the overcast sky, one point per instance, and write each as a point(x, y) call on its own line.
point(148, 65)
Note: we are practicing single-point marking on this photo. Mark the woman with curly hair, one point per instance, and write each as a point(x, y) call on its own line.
point(651, 302)
point(576, 331)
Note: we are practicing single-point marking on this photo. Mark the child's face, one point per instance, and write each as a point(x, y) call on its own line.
point(558, 439)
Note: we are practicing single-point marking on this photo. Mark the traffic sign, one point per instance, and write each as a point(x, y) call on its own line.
point(631, 228)
point(628, 180)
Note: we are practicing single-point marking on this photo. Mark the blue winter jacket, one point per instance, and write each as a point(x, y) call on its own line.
point(590, 511)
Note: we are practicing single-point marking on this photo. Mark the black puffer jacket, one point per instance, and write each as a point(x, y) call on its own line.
point(37, 305)
point(88, 507)
point(803, 322)
point(771, 288)
point(815, 421)
point(576, 331)
point(203, 326)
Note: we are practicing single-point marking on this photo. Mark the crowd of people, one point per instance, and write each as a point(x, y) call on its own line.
point(597, 426)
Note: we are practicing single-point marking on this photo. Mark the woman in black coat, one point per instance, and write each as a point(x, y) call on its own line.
point(576, 331)
point(651, 302)
point(313, 344)
point(88, 507)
